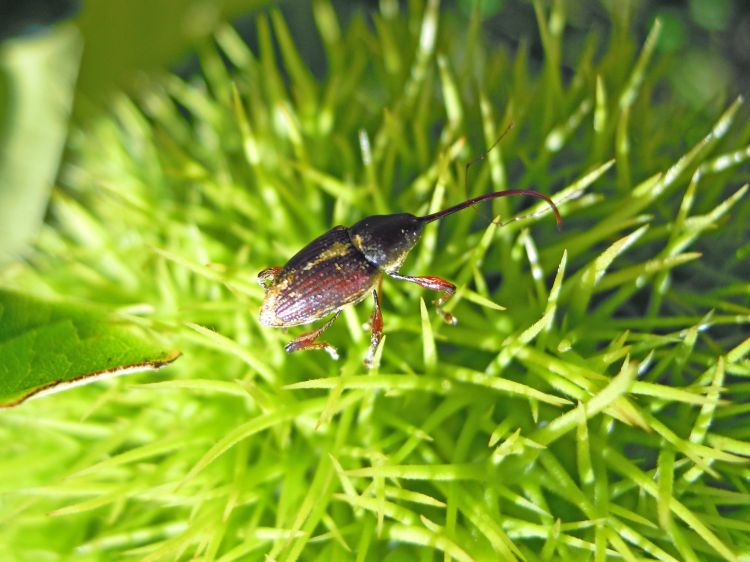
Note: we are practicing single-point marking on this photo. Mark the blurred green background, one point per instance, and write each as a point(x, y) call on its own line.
point(65, 57)
point(122, 39)
point(61, 63)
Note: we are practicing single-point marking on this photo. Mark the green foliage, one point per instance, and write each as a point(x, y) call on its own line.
point(46, 347)
point(599, 416)
point(125, 39)
point(37, 82)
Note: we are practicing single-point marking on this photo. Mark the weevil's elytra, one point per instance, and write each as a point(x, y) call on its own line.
point(345, 265)
point(326, 275)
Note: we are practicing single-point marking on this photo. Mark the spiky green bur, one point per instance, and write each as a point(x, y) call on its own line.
point(600, 416)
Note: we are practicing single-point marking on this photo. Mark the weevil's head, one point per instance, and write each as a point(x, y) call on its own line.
point(386, 240)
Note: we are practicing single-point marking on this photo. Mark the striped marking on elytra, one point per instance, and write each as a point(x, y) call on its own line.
point(336, 250)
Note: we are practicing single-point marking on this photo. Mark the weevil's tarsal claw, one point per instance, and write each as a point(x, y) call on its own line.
point(266, 277)
point(307, 341)
point(448, 318)
point(370, 359)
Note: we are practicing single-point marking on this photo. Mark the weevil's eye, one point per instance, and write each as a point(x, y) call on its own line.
point(385, 240)
point(266, 277)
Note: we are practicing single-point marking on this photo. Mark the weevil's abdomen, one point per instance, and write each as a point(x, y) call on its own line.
point(324, 276)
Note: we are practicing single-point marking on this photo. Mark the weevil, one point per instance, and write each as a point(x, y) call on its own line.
point(345, 265)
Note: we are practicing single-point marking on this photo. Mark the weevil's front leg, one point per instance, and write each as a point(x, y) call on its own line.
point(266, 277)
point(376, 325)
point(307, 341)
point(434, 284)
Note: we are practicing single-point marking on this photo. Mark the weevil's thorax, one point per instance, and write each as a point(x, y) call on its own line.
point(386, 240)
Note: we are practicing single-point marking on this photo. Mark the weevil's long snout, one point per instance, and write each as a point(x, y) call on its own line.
point(493, 195)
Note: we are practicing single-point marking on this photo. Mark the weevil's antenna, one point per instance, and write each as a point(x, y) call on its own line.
point(493, 195)
point(483, 155)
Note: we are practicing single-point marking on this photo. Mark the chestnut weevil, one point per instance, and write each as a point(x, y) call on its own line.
point(344, 265)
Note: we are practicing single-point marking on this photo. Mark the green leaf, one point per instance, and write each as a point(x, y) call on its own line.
point(48, 346)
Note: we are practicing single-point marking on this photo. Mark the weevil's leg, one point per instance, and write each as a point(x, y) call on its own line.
point(434, 284)
point(307, 341)
point(266, 277)
point(376, 325)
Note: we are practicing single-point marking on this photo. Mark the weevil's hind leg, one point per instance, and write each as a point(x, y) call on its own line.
point(307, 341)
point(376, 325)
point(266, 277)
point(434, 284)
